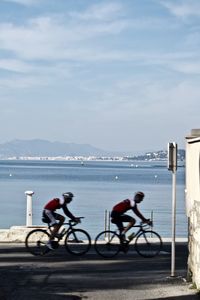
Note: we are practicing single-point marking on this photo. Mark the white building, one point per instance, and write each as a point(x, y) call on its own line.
point(192, 193)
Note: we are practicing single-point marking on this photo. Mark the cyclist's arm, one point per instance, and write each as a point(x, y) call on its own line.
point(138, 214)
point(68, 213)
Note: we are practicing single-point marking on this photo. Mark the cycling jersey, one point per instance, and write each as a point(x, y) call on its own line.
point(57, 203)
point(124, 205)
point(54, 204)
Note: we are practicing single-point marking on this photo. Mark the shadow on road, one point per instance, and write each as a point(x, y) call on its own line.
point(60, 275)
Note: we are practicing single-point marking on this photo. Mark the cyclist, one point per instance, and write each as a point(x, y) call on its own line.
point(118, 215)
point(54, 219)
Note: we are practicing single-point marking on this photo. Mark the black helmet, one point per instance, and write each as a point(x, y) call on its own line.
point(68, 195)
point(140, 194)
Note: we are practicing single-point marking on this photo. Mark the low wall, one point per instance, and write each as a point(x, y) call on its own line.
point(16, 234)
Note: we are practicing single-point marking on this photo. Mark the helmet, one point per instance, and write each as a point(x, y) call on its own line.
point(68, 195)
point(140, 194)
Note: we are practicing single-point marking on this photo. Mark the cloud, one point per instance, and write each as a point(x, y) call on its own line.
point(46, 38)
point(68, 36)
point(183, 8)
point(14, 65)
point(24, 2)
point(101, 12)
point(188, 67)
point(58, 39)
point(49, 38)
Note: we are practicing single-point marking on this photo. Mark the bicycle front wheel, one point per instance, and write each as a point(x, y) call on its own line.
point(36, 241)
point(107, 244)
point(77, 242)
point(148, 244)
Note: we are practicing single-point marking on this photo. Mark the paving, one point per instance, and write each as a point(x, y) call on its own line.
point(60, 275)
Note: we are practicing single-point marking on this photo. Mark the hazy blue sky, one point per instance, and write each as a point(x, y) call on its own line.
point(120, 75)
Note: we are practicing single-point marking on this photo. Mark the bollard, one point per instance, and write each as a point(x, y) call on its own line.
point(29, 212)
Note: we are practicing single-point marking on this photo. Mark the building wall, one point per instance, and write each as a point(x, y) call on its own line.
point(192, 193)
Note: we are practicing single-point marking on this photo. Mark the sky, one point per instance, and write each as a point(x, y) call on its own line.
point(115, 74)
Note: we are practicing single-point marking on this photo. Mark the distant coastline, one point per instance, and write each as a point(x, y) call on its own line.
point(84, 159)
point(148, 157)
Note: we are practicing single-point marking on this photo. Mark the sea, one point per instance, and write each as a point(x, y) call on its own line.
point(97, 186)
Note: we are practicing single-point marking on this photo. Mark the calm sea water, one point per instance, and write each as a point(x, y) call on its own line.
point(97, 186)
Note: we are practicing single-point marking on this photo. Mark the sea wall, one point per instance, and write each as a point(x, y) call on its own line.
point(16, 234)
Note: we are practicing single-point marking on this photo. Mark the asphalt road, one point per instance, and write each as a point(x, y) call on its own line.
point(60, 275)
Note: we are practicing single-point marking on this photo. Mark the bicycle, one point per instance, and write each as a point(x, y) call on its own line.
point(147, 242)
point(77, 241)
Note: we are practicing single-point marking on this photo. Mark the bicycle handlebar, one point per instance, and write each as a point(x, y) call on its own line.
point(144, 224)
point(73, 222)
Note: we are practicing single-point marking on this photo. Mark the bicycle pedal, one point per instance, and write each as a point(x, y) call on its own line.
point(124, 248)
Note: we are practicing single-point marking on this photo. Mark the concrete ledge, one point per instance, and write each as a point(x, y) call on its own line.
point(16, 234)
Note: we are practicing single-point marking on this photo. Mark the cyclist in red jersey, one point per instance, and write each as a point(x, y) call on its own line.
point(54, 219)
point(118, 215)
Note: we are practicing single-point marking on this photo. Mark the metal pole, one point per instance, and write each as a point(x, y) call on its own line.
point(29, 211)
point(109, 223)
point(152, 221)
point(105, 221)
point(173, 223)
point(109, 220)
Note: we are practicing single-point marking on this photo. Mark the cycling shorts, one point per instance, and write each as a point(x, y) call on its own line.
point(118, 219)
point(50, 217)
point(116, 216)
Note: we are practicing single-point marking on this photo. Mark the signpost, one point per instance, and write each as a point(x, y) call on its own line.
point(172, 166)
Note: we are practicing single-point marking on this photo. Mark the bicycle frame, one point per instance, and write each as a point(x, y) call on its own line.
point(65, 230)
point(142, 228)
point(147, 242)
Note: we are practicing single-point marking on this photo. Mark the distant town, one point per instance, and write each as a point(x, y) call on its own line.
point(149, 156)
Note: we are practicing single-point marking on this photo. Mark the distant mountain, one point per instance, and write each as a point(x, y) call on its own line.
point(43, 148)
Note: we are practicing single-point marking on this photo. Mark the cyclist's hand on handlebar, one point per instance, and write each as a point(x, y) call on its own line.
point(149, 222)
point(77, 220)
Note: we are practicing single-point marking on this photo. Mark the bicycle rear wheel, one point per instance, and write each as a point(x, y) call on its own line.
point(36, 241)
point(148, 244)
point(77, 242)
point(107, 244)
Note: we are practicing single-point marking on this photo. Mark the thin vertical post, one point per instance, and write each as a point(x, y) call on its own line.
point(29, 210)
point(109, 220)
point(105, 221)
point(109, 224)
point(172, 166)
point(173, 244)
point(152, 217)
point(151, 221)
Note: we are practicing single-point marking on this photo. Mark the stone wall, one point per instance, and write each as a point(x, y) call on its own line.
point(16, 234)
point(194, 244)
point(193, 204)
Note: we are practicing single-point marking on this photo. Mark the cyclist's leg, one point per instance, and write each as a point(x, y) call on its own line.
point(131, 221)
point(116, 219)
point(55, 221)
